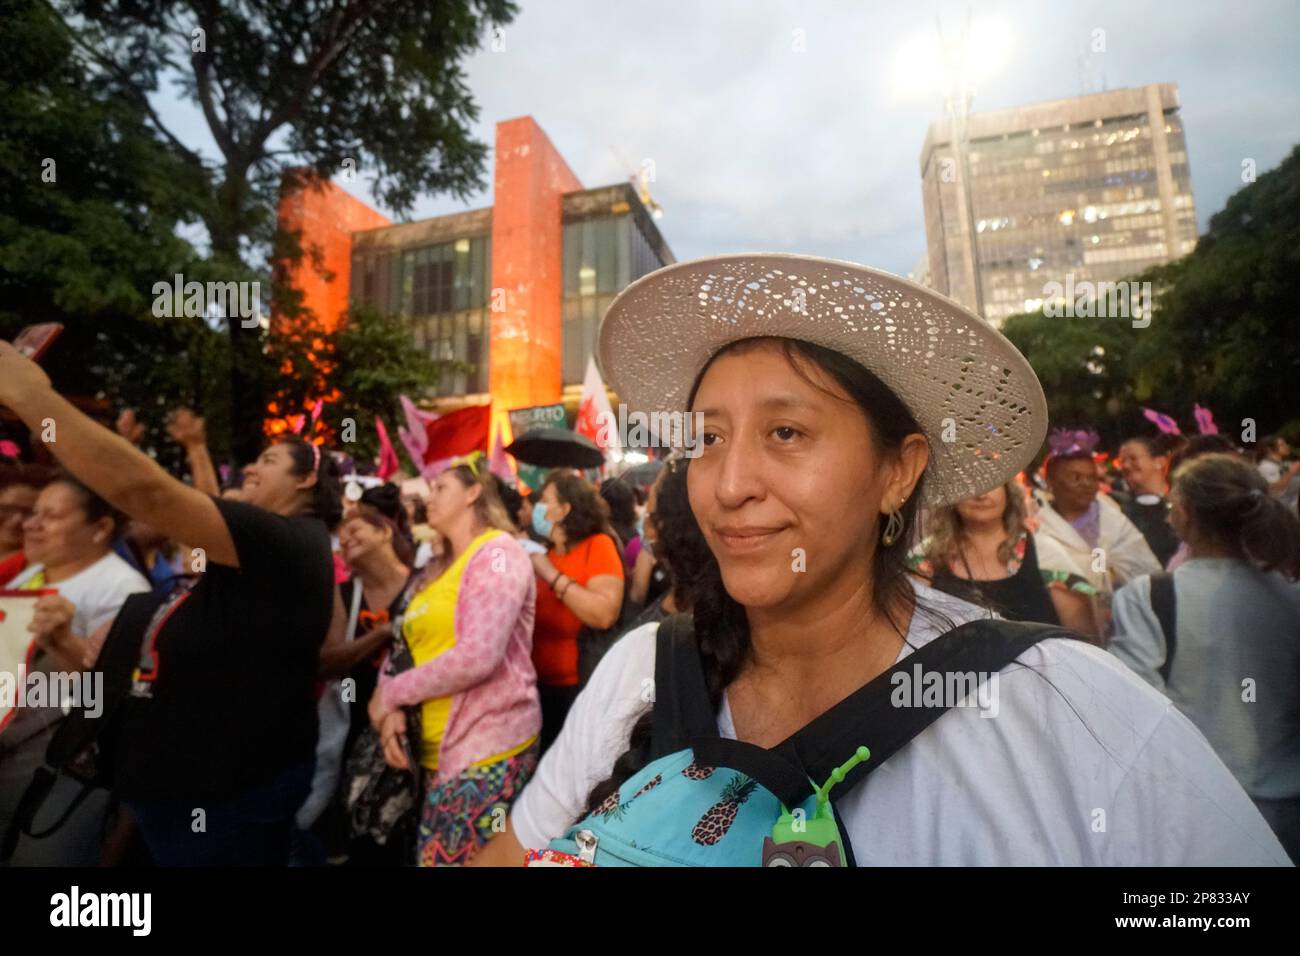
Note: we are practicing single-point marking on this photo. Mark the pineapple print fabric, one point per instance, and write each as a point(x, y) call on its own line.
point(681, 812)
point(713, 826)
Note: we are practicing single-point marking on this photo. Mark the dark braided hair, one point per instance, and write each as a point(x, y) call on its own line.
point(721, 625)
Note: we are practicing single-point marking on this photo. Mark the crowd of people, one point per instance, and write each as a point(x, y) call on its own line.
point(447, 635)
point(325, 675)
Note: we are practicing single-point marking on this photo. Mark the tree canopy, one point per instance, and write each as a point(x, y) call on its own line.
point(326, 86)
point(1223, 332)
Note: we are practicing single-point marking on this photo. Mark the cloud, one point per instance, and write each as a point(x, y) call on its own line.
point(759, 146)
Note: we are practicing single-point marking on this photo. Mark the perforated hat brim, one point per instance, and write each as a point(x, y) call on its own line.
point(974, 395)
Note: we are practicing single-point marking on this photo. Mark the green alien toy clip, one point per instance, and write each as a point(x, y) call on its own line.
point(814, 842)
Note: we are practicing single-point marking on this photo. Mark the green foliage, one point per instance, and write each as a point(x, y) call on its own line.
point(1223, 331)
point(376, 362)
point(90, 203)
point(360, 368)
point(324, 86)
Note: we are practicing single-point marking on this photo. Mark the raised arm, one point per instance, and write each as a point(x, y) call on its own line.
point(110, 465)
point(497, 587)
point(188, 431)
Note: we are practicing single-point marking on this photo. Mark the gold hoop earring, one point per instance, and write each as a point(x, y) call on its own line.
point(893, 528)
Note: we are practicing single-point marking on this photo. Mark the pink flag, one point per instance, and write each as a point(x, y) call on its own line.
point(316, 410)
point(432, 469)
point(1162, 422)
point(388, 461)
point(1204, 420)
point(499, 461)
point(414, 436)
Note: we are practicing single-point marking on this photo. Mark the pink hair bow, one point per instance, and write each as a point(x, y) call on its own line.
point(1162, 422)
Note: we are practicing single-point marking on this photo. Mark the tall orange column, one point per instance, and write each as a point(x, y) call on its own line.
point(527, 253)
point(327, 216)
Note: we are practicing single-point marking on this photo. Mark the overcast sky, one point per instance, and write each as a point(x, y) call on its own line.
point(758, 146)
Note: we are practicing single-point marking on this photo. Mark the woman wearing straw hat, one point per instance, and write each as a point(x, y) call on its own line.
point(836, 402)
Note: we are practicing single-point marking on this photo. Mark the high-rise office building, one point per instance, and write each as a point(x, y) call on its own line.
point(1094, 187)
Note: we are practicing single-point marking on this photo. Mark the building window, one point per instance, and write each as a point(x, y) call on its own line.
point(441, 291)
point(601, 257)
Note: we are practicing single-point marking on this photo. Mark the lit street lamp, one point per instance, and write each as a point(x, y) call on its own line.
point(972, 54)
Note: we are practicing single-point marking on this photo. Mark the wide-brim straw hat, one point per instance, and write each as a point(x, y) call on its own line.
point(974, 395)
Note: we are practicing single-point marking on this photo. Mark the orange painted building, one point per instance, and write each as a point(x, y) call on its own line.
point(508, 298)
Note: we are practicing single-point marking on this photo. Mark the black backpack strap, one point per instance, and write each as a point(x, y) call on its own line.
point(868, 716)
point(1165, 604)
point(684, 718)
point(682, 711)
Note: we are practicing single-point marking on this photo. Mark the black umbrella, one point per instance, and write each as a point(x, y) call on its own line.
point(643, 475)
point(554, 448)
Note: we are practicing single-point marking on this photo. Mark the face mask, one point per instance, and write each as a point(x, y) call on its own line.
point(540, 523)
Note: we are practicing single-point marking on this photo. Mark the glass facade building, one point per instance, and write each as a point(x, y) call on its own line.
point(1096, 187)
point(440, 291)
point(607, 246)
point(435, 277)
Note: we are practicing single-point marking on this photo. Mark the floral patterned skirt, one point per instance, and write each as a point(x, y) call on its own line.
point(459, 815)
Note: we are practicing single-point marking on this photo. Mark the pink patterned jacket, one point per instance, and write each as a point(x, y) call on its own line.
point(489, 670)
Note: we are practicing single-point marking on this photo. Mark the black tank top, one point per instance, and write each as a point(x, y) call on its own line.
point(1021, 597)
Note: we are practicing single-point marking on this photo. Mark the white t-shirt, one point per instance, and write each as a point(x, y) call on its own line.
point(97, 592)
point(1084, 764)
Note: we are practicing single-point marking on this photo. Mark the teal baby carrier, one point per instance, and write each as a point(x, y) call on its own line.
point(703, 800)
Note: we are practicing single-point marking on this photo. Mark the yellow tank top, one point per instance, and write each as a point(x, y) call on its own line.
point(429, 627)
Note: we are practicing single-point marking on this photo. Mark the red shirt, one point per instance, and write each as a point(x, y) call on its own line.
point(555, 633)
point(10, 566)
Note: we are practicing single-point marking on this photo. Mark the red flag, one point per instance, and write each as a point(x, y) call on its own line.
point(458, 433)
point(388, 461)
point(595, 417)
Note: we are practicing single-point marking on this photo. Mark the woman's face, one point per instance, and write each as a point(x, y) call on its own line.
point(358, 539)
point(556, 510)
point(1144, 472)
point(1074, 483)
point(270, 483)
point(789, 489)
point(58, 532)
point(16, 504)
point(984, 508)
point(448, 500)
